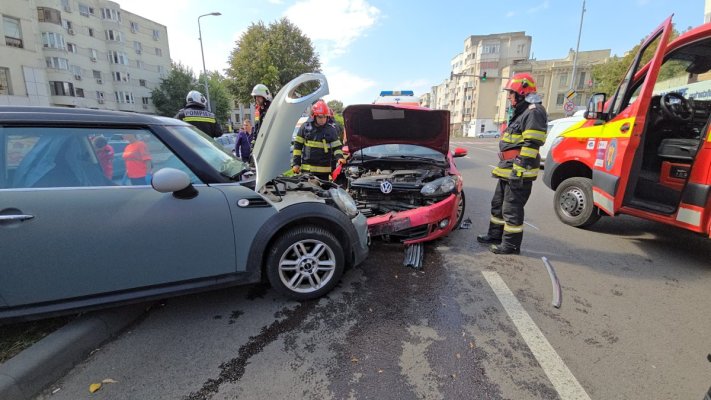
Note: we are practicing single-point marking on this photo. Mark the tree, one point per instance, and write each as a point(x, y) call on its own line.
point(220, 98)
point(336, 106)
point(169, 96)
point(271, 55)
point(608, 76)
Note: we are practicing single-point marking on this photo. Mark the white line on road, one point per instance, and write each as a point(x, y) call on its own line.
point(531, 225)
point(558, 373)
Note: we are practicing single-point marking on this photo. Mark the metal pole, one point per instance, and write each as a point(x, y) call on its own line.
point(204, 70)
point(575, 58)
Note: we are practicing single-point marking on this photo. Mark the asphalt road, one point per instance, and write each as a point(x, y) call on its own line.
point(469, 325)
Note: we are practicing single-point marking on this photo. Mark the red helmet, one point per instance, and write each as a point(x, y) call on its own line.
point(521, 83)
point(320, 108)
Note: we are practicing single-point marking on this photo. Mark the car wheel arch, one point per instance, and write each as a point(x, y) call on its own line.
point(570, 169)
point(298, 215)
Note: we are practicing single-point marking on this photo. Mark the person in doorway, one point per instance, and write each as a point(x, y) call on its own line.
point(196, 114)
point(316, 144)
point(518, 166)
point(138, 160)
point(243, 148)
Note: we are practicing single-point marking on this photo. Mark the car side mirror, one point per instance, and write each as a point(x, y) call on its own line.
point(596, 107)
point(167, 180)
point(459, 152)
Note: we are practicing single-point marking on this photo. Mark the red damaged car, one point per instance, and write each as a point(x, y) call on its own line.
point(401, 173)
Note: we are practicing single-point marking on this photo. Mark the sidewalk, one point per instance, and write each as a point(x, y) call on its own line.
point(25, 375)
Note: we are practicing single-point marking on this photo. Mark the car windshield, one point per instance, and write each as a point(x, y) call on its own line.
point(209, 150)
point(399, 151)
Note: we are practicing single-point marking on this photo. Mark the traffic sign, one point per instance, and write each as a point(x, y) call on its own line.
point(569, 106)
point(571, 93)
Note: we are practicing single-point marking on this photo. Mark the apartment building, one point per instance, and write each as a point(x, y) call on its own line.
point(80, 53)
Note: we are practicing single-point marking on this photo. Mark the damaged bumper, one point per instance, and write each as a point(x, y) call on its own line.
point(418, 225)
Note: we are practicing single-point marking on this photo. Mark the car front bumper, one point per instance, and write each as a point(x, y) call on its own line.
point(360, 248)
point(417, 225)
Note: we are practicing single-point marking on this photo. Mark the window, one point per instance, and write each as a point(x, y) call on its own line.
point(124, 97)
point(156, 34)
point(581, 80)
point(563, 80)
point(77, 162)
point(97, 74)
point(79, 92)
point(58, 88)
point(159, 52)
point(134, 27)
point(142, 82)
point(137, 46)
point(53, 40)
point(71, 47)
point(76, 71)
point(5, 87)
point(100, 97)
point(65, 6)
point(91, 32)
point(45, 14)
point(121, 76)
point(85, 10)
point(67, 24)
point(145, 100)
point(118, 57)
point(560, 99)
point(111, 14)
point(113, 35)
point(139, 64)
point(13, 35)
point(57, 63)
point(92, 54)
point(161, 69)
point(490, 49)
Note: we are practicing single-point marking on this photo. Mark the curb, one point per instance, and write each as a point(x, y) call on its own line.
point(25, 375)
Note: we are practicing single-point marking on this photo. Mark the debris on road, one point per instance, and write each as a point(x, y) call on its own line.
point(414, 254)
point(466, 224)
point(557, 293)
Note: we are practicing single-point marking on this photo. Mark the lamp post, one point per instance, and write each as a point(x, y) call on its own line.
point(577, 47)
point(207, 90)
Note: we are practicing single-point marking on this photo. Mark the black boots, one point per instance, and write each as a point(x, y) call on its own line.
point(499, 249)
point(486, 239)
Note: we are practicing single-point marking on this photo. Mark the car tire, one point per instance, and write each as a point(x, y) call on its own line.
point(574, 204)
point(305, 263)
point(496, 136)
point(461, 207)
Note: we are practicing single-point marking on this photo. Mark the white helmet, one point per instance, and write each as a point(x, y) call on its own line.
point(262, 90)
point(196, 97)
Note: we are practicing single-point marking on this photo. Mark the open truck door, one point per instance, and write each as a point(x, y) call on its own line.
point(626, 117)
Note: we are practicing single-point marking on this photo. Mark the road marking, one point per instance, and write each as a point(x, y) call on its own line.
point(558, 373)
point(531, 225)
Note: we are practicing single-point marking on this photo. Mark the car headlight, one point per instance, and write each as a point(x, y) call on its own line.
point(344, 202)
point(440, 186)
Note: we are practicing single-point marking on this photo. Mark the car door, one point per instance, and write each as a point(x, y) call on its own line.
point(67, 231)
point(621, 136)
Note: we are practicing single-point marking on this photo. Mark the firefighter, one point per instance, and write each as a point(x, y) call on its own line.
point(316, 144)
point(262, 100)
point(518, 166)
point(195, 113)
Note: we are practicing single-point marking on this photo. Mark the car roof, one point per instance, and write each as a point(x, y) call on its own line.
point(20, 114)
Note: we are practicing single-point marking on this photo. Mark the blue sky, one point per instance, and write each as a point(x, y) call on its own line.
point(367, 46)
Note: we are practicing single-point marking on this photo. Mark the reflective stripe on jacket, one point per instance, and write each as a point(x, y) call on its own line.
point(526, 133)
point(200, 118)
point(316, 148)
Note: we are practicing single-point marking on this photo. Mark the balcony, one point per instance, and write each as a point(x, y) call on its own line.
point(13, 42)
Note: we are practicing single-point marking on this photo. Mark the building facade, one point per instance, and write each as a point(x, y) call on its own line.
point(80, 53)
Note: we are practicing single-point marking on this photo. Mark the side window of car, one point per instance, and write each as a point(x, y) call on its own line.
point(34, 157)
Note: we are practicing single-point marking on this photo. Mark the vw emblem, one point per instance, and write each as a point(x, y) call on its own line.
point(386, 187)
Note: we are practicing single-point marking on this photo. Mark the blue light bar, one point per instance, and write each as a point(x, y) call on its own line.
point(397, 93)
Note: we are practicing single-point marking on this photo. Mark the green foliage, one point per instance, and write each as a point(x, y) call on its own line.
point(272, 55)
point(169, 96)
point(608, 76)
point(336, 106)
point(220, 98)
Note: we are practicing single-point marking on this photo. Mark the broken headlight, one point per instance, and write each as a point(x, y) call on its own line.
point(440, 186)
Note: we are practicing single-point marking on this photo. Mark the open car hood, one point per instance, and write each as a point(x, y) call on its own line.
point(272, 156)
point(373, 124)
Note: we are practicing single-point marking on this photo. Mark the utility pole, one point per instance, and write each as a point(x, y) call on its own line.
point(577, 47)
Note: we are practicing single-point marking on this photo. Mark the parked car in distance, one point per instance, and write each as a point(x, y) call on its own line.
point(488, 134)
point(401, 173)
point(556, 128)
point(199, 224)
point(227, 141)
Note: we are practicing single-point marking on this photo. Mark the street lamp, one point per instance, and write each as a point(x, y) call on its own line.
point(207, 90)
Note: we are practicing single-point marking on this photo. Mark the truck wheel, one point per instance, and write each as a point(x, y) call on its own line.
point(305, 263)
point(461, 206)
point(574, 202)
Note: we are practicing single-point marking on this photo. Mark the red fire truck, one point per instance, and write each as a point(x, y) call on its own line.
point(645, 151)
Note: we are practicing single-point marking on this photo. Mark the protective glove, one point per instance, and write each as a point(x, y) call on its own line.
point(341, 161)
point(296, 169)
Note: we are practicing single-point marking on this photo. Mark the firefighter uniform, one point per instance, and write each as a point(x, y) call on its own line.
point(517, 169)
point(196, 115)
point(317, 148)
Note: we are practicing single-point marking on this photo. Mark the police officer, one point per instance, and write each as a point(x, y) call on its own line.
point(518, 166)
point(262, 100)
point(317, 144)
point(196, 114)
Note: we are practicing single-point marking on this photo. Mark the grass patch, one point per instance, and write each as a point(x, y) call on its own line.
point(16, 337)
